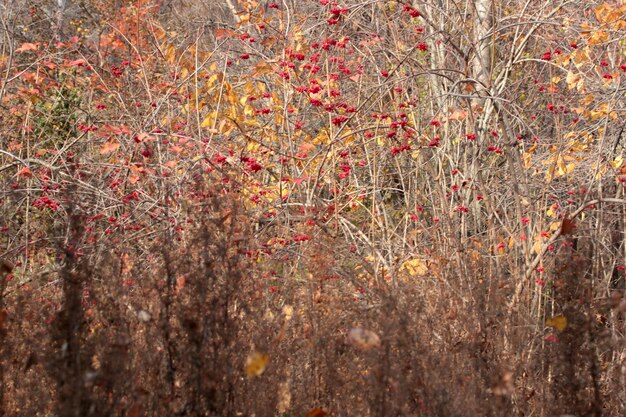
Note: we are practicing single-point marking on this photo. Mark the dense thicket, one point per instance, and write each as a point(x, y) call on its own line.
point(309, 208)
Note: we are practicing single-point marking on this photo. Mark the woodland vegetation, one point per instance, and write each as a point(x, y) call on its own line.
point(308, 208)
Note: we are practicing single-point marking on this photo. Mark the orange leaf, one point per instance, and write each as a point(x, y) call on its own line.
point(256, 363)
point(225, 33)
point(25, 173)
point(27, 47)
point(180, 283)
point(457, 115)
point(110, 146)
point(77, 62)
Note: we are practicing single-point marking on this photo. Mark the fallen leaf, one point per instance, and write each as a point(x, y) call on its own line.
point(316, 412)
point(256, 363)
point(363, 339)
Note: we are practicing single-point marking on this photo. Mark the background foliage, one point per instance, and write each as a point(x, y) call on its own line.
point(312, 208)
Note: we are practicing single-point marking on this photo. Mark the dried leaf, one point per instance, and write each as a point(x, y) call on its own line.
point(135, 410)
point(3, 318)
point(144, 316)
point(363, 339)
point(415, 267)
point(567, 226)
point(109, 147)
point(27, 47)
point(504, 386)
point(457, 115)
point(316, 412)
point(256, 363)
point(78, 62)
point(5, 267)
point(224, 33)
point(557, 322)
point(25, 173)
point(598, 37)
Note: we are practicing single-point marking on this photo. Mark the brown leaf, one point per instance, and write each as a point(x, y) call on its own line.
point(135, 410)
point(316, 412)
point(504, 385)
point(3, 318)
point(567, 226)
point(5, 267)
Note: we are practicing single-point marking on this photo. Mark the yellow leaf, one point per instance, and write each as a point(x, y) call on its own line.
point(561, 165)
point(617, 162)
point(599, 36)
point(256, 363)
point(415, 267)
point(209, 121)
point(550, 173)
point(537, 247)
point(579, 57)
point(572, 80)
point(557, 322)
point(252, 147)
point(262, 68)
point(212, 79)
point(170, 54)
point(589, 98)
